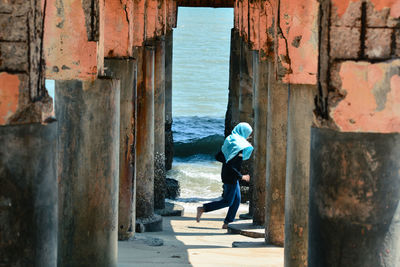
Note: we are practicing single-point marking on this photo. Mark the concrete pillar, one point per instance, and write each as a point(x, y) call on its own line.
point(88, 127)
point(354, 174)
point(300, 118)
point(169, 140)
point(260, 139)
point(144, 156)
point(246, 108)
point(354, 199)
point(276, 160)
point(232, 112)
point(28, 195)
point(125, 71)
point(159, 125)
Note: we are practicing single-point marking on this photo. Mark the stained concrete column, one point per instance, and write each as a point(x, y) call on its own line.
point(159, 125)
point(169, 140)
point(232, 112)
point(259, 178)
point(125, 71)
point(246, 110)
point(88, 127)
point(354, 199)
point(144, 156)
point(276, 160)
point(28, 195)
point(300, 118)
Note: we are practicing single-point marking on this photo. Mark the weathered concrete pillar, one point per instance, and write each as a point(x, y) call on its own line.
point(144, 156)
point(246, 84)
point(28, 195)
point(28, 142)
point(246, 107)
point(276, 160)
point(159, 125)
point(259, 178)
point(125, 71)
point(169, 140)
point(354, 174)
point(300, 118)
point(88, 128)
point(232, 112)
point(354, 199)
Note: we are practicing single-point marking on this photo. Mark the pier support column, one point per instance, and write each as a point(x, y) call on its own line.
point(246, 111)
point(260, 139)
point(28, 195)
point(169, 140)
point(125, 71)
point(159, 125)
point(88, 127)
point(276, 161)
point(354, 199)
point(300, 118)
point(232, 112)
point(144, 156)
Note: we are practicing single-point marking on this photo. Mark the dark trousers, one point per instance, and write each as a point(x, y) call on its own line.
point(230, 198)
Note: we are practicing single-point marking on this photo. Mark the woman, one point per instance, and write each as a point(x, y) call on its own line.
point(235, 149)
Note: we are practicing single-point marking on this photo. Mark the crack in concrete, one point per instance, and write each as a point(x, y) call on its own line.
point(280, 32)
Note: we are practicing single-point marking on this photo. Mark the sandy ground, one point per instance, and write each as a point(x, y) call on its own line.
point(188, 243)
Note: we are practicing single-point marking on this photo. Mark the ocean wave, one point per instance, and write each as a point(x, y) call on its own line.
point(209, 145)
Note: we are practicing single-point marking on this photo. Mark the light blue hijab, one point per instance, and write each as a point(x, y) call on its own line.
point(237, 142)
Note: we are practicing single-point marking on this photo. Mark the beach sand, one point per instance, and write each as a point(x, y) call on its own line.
point(188, 243)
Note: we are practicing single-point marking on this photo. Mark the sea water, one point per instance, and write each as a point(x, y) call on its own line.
point(200, 80)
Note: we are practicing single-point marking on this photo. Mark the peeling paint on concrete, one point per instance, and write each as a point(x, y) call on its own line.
point(9, 95)
point(299, 21)
point(118, 28)
point(372, 97)
point(69, 43)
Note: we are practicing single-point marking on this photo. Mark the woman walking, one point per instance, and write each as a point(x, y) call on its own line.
point(235, 149)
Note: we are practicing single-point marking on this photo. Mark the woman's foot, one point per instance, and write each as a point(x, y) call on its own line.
point(200, 211)
point(225, 226)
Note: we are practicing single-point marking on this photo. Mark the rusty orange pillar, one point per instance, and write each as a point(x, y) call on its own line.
point(144, 156)
point(355, 169)
point(28, 141)
point(159, 125)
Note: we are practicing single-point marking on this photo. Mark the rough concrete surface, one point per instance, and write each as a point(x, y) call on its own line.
point(188, 243)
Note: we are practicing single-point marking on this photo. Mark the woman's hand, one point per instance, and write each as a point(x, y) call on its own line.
point(246, 178)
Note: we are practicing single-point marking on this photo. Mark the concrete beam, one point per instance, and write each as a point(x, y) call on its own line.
point(23, 96)
point(205, 3)
point(70, 51)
